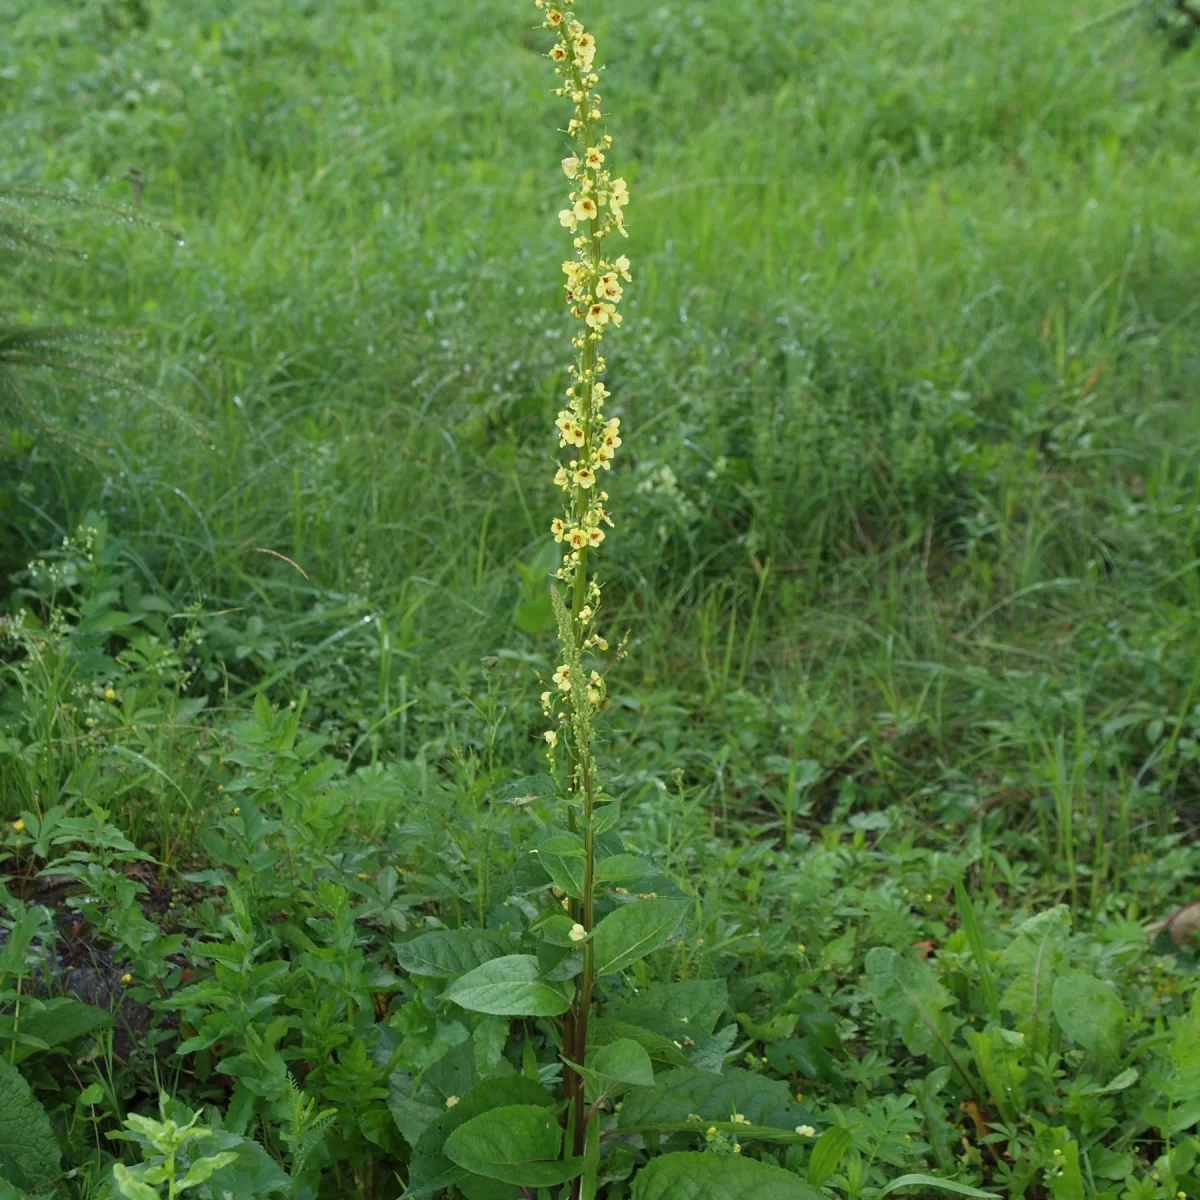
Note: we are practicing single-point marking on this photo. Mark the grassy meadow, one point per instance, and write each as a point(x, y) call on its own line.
point(907, 554)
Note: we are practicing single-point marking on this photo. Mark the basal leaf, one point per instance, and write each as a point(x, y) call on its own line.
point(1090, 1013)
point(1032, 960)
point(29, 1153)
point(716, 1177)
point(905, 990)
point(518, 1144)
point(633, 931)
point(511, 987)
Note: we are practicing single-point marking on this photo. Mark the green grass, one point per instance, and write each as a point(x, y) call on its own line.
point(909, 520)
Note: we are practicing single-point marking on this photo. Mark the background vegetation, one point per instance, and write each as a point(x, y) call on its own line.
point(910, 565)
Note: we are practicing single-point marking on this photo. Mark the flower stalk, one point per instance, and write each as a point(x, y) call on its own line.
point(588, 442)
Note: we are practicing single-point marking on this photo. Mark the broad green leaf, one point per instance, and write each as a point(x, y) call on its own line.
point(8, 1192)
point(905, 990)
point(62, 1019)
point(943, 1185)
point(1118, 1083)
point(622, 1061)
point(511, 987)
point(530, 787)
point(692, 1176)
point(827, 1153)
point(29, 1153)
point(1090, 1013)
point(431, 1170)
point(603, 1030)
point(562, 858)
point(518, 1143)
point(633, 931)
point(678, 1094)
point(620, 868)
point(1032, 960)
point(446, 953)
point(557, 929)
point(698, 1003)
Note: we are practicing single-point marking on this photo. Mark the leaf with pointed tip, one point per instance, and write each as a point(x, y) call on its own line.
point(692, 1176)
point(511, 986)
point(633, 931)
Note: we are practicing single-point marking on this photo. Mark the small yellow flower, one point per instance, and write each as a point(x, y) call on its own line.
point(585, 50)
point(561, 479)
point(577, 539)
point(451, 1101)
point(740, 1119)
point(577, 933)
point(110, 693)
point(563, 677)
point(600, 313)
point(595, 536)
point(594, 157)
point(585, 209)
point(554, 17)
point(19, 825)
point(801, 947)
point(609, 288)
point(362, 875)
point(567, 218)
point(806, 1131)
point(585, 477)
point(570, 166)
point(737, 1147)
point(127, 978)
point(558, 53)
point(622, 265)
point(558, 528)
point(551, 737)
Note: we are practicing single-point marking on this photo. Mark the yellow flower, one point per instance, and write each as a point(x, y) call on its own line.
point(558, 528)
point(593, 157)
point(585, 477)
point(599, 393)
point(19, 825)
point(558, 53)
point(609, 288)
point(585, 50)
point(585, 209)
point(595, 536)
point(560, 478)
point(600, 313)
point(451, 1101)
point(577, 933)
point(551, 737)
point(563, 677)
point(127, 978)
point(806, 1131)
point(554, 17)
point(577, 539)
point(622, 265)
point(109, 694)
point(570, 166)
point(567, 219)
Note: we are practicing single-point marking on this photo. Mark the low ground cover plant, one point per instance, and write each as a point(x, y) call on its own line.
point(842, 847)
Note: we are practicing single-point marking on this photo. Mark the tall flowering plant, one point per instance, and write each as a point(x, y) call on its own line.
point(588, 443)
point(508, 1127)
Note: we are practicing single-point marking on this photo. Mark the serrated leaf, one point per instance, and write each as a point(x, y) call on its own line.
point(1090, 1013)
point(445, 953)
point(944, 1185)
point(633, 931)
point(827, 1153)
point(511, 987)
point(691, 1176)
point(1033, 959)
point(518, 1143)
point(29, 1153)
point(905, 990)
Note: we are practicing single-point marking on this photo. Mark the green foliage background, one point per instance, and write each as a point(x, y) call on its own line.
point(910, 504)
